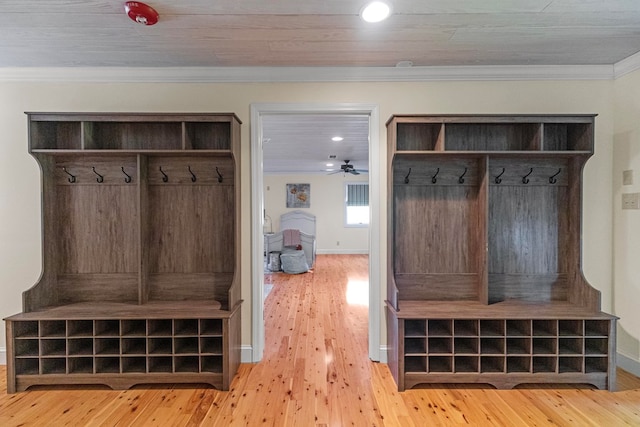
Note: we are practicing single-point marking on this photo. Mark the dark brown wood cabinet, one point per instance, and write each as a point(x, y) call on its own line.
point(141, 261)
point(485, 280)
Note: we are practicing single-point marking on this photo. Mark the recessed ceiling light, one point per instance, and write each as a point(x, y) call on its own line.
point(337, 138)
point(375, 11)
point(329, 164)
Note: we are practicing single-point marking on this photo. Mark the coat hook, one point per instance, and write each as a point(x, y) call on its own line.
point(498, 178)
point(406, 178)
point(220, 177)
point(552, 178)
point(193, 176)
point(100, 178)
point(72, 178)
point(461, 179)
point(165, 177)
point(433, 178)
point(525, 180)
point(127, 178)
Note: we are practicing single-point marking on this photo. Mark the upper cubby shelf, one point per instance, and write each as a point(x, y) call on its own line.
point(138, 132)
point(481, 134)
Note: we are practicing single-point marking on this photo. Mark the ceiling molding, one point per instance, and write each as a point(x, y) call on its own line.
point(626, 66)
point(314, 74)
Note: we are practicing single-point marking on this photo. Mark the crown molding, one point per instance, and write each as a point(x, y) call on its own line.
point(306, 74)
point(626, 66)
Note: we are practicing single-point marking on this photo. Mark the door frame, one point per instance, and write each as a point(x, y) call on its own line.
point(258, 110)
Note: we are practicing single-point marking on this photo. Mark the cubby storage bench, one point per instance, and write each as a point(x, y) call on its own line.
point(141, 263)
point(485, 279)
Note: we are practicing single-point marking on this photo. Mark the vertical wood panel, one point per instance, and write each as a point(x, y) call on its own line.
point(191, 229)
point(435, 229)
point(524, 229)
point(98, 230)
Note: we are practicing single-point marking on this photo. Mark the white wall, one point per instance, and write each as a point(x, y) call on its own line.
point(20, 256)
point(327, 204)
point(626, 237)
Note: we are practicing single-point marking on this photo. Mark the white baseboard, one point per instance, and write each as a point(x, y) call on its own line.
point(246, 354)
point(383, 354)
point(3, 356)
point(628, 364)
point(342, 251)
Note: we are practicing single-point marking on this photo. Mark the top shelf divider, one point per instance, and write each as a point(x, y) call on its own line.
point(157, 132)
point(481, 134)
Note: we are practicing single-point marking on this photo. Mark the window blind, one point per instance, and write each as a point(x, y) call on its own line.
point(357, 194)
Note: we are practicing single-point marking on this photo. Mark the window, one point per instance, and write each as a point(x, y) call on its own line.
point(356, 204)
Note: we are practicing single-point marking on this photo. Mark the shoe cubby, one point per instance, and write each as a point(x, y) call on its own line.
point(492, 364)
point(468, 349)
point(157, 345)
point(211, 364)
point(440, 363)
point(161, 364)
point(80, 365)
point(117, 348)
point(440, 327)
point(79, 328)
point(107, 365)
point(107, 328)
point(80, 346)
point(415, 363)
point(466, 364)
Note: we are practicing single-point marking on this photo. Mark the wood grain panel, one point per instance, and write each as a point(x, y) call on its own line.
point(435, 229)
point(524, 229)
point(133, 135)
point(493, 137)
point(115, 287)
point(98, 230)
point(191, 229)
point(440, 287)
point(538, 287)
point(55, 135)
point(420, 136)
point(189, 286)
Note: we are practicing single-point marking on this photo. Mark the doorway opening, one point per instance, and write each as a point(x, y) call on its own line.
point(262, 113)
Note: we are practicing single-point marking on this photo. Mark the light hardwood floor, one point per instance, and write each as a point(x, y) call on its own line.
point(316, 372)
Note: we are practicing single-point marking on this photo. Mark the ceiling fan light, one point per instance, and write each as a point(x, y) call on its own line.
point(141, 13)
point(375, 11)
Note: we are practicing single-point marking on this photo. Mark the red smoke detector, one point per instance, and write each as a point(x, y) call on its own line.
point(141, 13)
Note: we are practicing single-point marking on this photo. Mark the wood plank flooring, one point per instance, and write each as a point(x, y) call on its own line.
point(316, 372)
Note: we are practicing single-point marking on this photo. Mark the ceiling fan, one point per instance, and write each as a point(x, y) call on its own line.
point(349, 168)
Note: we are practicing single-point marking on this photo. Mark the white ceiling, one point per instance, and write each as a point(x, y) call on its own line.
point(301, 143)
point(249, 33)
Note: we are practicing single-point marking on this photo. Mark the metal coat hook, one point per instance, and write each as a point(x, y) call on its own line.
point(525, 180)
point(406, 178)
point(552, 178)
point(461, 179)
point(220, 177)
point(72, 178)
point(193, 176)
point(433, 178)
point(165, 177)
point(100, 178)
point(127, 178)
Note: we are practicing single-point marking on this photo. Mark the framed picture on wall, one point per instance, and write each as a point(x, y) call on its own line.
point(298, 195)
